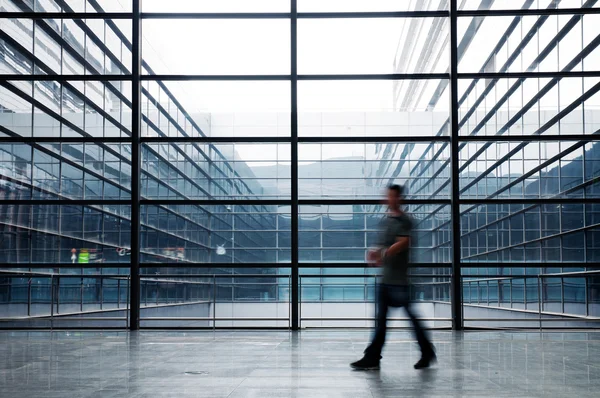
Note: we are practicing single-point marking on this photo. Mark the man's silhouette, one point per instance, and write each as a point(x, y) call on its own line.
point(392, 254)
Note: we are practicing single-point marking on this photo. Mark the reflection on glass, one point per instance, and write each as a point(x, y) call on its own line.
point(216, 171)
point(361, 170)
point(529, 106)
point(215, 234)
point(343, 233)
point(528, 169)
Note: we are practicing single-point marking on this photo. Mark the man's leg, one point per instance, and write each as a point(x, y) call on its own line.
point(420, 334)
point(427, 351)
point(373, 351)
point(376, 346)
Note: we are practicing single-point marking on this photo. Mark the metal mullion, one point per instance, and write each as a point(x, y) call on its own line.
point(232, 202)
point(529, 11)
point(295, 254)
point(375, 76)
point(325, 202)
point(531, 138)
point(196, 265)
point(62, 265)
point(469, 264)
point(365, 265)
point(65, 202)
point(215, 15)
point(527, 75)
point(192, 77)
point(304, 77)
point(62, 140)
point(136, 100)
point(208, 140)
point(456, 296)
point(64, 78)
point(63, 15)
point(374, 139)
point(540, 201)
point(373, 14)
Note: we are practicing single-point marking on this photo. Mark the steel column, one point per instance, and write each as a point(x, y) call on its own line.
point(456, 297)
point(136, 69)
point(294, 160)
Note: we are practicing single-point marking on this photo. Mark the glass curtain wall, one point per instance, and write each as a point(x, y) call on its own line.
point(221, 164)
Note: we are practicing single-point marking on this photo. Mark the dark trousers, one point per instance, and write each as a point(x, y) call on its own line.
point(395, 296)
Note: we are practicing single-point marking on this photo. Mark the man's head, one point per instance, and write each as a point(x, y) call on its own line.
point(395, 194)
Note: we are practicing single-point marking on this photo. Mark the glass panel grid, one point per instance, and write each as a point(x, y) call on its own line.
point(239, 173)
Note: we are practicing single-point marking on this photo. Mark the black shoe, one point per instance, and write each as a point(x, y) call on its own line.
point(367, 363)
point(426, 361)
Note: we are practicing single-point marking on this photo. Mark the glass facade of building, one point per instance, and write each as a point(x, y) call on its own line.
point(213, 164)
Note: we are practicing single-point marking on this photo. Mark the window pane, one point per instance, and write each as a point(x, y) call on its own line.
point(527, 169)
point(344, 233)
point(528, 43)
point(362, 170)
point(216, 109)
point(215, 234)
point(216, 171)
point(346, 46)
point(222, 47)
point(372, 108)
point(65, 234)
point(528, 106)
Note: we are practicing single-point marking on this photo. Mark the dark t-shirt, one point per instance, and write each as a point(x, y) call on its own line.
point(395, 268)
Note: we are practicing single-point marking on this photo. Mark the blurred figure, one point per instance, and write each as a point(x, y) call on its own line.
point(393, 254)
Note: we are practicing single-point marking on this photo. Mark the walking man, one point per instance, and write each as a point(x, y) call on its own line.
point(393, 254)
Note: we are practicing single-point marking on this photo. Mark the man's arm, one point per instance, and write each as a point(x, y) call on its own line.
point(402, 243)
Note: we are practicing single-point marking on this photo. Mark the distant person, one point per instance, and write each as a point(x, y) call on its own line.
point(393, 254)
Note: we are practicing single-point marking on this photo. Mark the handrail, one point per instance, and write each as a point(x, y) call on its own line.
point(577, 273)
point(213, 279)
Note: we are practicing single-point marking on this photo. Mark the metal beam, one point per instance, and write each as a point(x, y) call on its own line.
point(529, 11)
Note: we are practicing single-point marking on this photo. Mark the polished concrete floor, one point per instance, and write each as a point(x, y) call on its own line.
point(283, 364)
